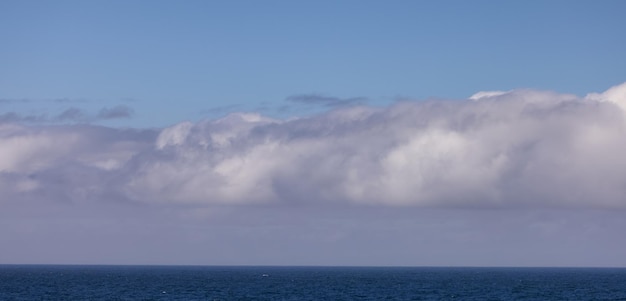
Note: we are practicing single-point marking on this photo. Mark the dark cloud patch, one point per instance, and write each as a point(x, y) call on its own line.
point(70, 115)
point(39, 100)
point(71, 100)
point(14, 100)
point(14, 117)
point(221, 110)
point(327, 101)
point(117, 112)
point(73, 115)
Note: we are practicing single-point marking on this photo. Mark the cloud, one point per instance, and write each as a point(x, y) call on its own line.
point(14, 117)
point(221, 110)
point(31, 100)
point(616, 95)
point(71, 100)
point(486, 94)
point(522, 148)
point(14, 100)
point(116, 112)
point(71, 163)
point(327, 101)
point(70, 115)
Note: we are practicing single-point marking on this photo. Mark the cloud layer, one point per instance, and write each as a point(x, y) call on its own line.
point(522, 148)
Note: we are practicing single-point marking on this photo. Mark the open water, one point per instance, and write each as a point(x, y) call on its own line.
point(40, 282)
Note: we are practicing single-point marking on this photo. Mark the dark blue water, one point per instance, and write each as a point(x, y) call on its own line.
point(308, 283)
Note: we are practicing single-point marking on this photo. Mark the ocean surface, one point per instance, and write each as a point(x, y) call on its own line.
point(42, 282)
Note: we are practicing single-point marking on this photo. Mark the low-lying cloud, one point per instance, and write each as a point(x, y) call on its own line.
point(522, 148)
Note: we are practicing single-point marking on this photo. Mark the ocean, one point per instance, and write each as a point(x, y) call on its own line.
point(57, 282)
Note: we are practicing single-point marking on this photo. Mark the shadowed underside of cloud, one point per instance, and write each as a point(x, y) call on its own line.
point(521, 148)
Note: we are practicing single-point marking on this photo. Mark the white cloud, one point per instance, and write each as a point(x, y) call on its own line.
point(521, 148)
point(616, 94)
point(486, 94)
point(66, 163)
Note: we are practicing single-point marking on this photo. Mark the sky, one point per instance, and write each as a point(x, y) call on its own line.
point(409, 133)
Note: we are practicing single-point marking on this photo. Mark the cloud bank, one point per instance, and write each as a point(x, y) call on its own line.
point(521, 148)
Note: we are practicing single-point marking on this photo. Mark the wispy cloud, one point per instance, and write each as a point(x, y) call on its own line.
point(328, 101)
point(14, 117)
point(522, 148)
point(71, 100)
point(14, 100)
point(117, 112)
point(70, 115)
point(221, 109)
point(54, 100)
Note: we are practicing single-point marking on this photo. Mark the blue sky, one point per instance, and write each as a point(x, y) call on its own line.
point(450, 133)
point(201, 59)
